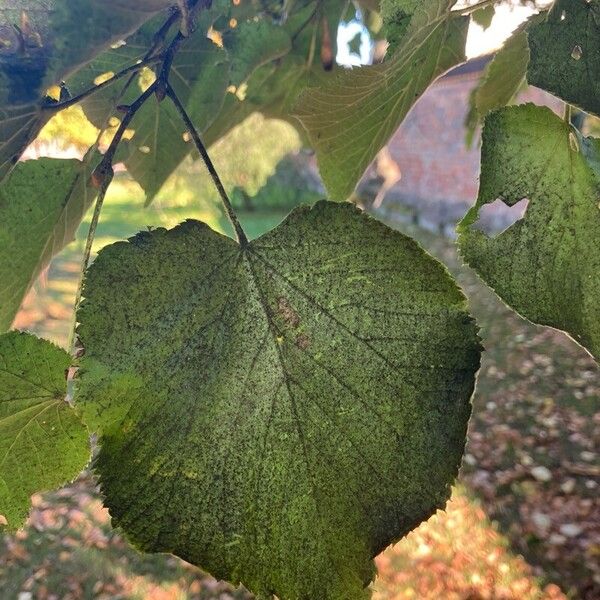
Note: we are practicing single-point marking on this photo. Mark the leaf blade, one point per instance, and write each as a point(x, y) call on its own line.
point(349, 120)
point(544, 266)
point(298, 375)
point(565, 53)
point(42, 204)
point(43, 443)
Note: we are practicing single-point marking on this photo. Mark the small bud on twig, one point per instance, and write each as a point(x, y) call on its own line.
point(102, 175)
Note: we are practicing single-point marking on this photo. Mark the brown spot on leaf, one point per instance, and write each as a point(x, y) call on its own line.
point(303, 341)
point(290, 316)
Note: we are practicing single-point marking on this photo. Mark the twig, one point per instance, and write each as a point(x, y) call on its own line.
point(162, 80)
point(304, 25)
point(105, 172)
point(87, 252)
point(241, 236)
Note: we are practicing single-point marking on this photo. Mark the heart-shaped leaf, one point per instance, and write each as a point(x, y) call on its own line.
point(276, 413)
point(43, 443)
point(547, 265)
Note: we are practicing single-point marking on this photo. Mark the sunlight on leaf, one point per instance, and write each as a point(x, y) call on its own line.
point(276, 414)
point(502, 79)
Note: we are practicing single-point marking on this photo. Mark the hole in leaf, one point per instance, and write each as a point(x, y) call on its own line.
point(144, 149)
point(577, 52)
point(497, 216)
point(187, 136)
point(118, 44)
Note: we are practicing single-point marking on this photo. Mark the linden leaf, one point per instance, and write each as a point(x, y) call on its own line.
point(252, 44)
point(99, 106)
point(397, 15)
point(42, 204)
point(547, 265)
point(276, 413)
point(565, 53)
point(43, 443)
point(61, 36)
point(351, 119)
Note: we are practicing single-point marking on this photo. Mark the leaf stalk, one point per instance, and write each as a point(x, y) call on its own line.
point(240, 234)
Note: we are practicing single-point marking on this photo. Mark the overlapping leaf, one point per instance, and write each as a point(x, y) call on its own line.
point(41, 206)
point(565, 53)
point(349, 120)
point(547, 265)
point(43, 443)
point(277, 413)
point(253, 44)
point(53, 39)
point(397, 15)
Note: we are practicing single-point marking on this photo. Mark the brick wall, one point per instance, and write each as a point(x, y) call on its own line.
point(439, 173)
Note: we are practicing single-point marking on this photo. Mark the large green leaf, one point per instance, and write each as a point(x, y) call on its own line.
point(41, 206)
point(349, 120)
point(43, 443)
point(278, 413)
point(547, 265)
point(502, 78)
point(565, 53)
